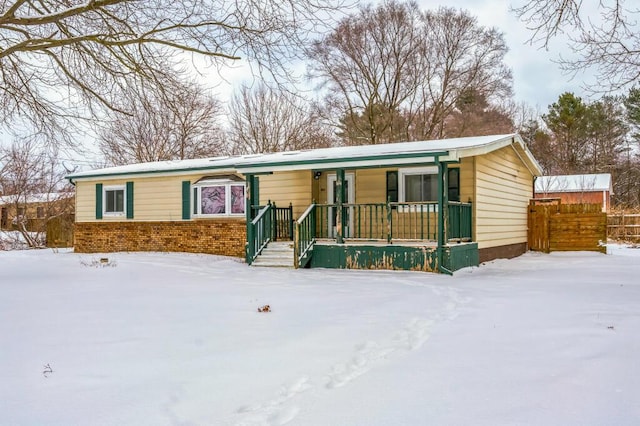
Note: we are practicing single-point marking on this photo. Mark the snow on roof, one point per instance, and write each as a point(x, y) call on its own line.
point(35, 198)
point(574, 183)
point(351, 155)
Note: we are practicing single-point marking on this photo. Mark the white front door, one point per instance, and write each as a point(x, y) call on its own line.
point(349, 180)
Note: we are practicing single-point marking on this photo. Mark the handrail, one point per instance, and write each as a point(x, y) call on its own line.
point(261, 232)
point(306, 213)
point(305, 237)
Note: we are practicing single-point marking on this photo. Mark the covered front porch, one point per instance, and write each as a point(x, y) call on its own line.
point(432, 236)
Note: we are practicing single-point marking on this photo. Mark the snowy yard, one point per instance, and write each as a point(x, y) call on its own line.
point(163, 339)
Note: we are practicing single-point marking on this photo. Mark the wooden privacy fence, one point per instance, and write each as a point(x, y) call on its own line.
point(60, 231)
point(554, 226)
point(624, 226)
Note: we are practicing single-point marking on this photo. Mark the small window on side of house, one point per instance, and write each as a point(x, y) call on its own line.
point(114, 197)
point(40, 212)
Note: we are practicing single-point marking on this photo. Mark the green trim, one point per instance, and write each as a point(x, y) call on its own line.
point(442, 220)
point(129, 200)
point(98, 201)
point(343, 159)
point(186, 199)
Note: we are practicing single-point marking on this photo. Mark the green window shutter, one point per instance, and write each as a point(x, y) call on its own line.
point(98, 201)
point(453, 180)
point(392, 186)
point(129, 200)
point(186, 201)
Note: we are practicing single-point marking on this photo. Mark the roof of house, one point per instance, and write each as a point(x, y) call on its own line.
point(573, 183)
point(35, 198)
point(395, 154)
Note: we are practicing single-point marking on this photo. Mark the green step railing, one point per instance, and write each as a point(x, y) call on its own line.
point(260, 232)
point(305, 237)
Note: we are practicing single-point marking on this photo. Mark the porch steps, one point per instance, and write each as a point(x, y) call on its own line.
point(276, 254)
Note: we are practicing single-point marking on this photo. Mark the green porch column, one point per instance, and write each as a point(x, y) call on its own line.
point(339, 209)
point(442, 209)
point(248, 211)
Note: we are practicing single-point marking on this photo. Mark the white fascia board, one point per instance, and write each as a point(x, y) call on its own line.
point(152, 174)
point(340, 165)
point(530, 162)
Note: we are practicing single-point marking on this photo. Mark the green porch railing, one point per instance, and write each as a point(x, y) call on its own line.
point(282, 220)
point(417, 221)
point(305, 237)
point(459, 221)
point(261, 232)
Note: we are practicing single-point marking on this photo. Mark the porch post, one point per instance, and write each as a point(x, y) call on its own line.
point(339, 209)
point(248, 211)
point(442, 209)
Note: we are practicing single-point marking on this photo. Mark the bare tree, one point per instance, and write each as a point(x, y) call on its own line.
point(369, 64)
point(396, 73)
point(175, 121)
point(459, 56)
point(609, 42)
point(60, 60)
point(33, 186)
point(474, 116)
point(265, 119)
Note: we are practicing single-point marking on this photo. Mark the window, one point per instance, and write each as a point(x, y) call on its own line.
point(218, 198)
point(418, 184)
point(421, 184)
point(114, 200)
point(40, 212)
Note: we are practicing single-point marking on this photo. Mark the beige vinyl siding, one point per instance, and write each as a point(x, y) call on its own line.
point(503, 187)
point(85, 201)
point(467, 187)
point(155, 198)
point(283, 188)
point(371, 185)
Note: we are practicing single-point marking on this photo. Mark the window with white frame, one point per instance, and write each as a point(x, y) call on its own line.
point(218, 198)
point(421, 184)
point(418, 184)
point(113, 197)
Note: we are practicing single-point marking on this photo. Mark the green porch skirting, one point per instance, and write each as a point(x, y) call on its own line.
point(395, 257)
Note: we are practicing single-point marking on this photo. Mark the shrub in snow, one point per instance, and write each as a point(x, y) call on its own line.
point(99, 263)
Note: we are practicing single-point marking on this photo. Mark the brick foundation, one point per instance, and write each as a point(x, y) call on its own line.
point(213, 236)
point(502, 252)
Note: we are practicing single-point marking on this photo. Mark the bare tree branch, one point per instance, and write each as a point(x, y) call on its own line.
point(72, 58)
point(608, 41)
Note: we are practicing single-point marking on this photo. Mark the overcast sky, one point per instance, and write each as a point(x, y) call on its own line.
point(537, 80)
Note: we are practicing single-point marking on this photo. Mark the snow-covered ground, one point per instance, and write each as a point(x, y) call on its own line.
point(159, 339)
